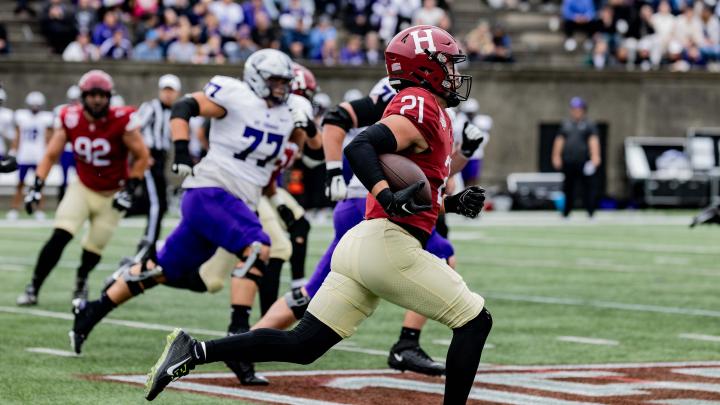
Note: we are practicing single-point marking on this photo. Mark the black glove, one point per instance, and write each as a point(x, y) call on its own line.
point(286, 215)
point(123, 199)
point(183, 163)
point(468, 202)
point(34, 195)
point(472, 137)
point(9, 164)
point(402, 203)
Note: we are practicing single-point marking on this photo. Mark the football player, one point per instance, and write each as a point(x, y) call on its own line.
point(101, 137)
point(34, 128)
point(251, 123)
point(710, 215)
point(7, 133)
point(406, 353)
point(383, 256)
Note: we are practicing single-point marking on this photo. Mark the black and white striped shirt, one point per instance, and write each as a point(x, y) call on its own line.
point(155, 121)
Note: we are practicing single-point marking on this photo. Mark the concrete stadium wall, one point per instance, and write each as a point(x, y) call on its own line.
point(632, 103)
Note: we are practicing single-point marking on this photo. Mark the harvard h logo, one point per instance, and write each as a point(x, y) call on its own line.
point(427, 38)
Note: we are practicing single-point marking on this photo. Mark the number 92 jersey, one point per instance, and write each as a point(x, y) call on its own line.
point(101, 156)
point(244, 144)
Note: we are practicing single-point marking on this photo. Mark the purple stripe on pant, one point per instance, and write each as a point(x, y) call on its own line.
point(346, 215)
point(211, 218)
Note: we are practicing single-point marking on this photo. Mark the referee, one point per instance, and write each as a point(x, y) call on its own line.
point(155, 123)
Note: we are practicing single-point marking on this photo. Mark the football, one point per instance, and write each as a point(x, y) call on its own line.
point(402, 172)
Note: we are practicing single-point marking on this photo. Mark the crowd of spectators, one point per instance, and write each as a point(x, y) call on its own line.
point(677, 34)
point(345, 32)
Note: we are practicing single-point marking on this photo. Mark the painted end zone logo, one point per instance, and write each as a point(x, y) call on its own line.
point(647, 383)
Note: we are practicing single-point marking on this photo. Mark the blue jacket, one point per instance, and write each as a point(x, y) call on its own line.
point(576, 8)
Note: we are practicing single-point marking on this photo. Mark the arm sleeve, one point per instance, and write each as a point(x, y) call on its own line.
point(362, 153)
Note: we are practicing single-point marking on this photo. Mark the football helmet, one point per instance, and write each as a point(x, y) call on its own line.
point(304, 83)
point(96, 82)
point(426, 56)
point(35, 100)
point(269, 72)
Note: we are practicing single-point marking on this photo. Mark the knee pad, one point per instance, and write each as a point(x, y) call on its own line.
point(250, 261)
point(301, 228)
point(137, 283)
point(297, 302)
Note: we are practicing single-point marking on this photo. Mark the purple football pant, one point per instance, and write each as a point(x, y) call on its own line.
point(211, 218)
point(472, 170)
point(23, 171)
point(346, 215)
point(67, 160)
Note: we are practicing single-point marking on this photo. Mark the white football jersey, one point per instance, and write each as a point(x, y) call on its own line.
point(32, 129)
point(244, 144)
point(383, 91)
point(7, 129)
point(301, 103)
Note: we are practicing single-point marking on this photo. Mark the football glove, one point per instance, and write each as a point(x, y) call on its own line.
point(183, 163)
point(8, 165)
point(472, 137)
point(468, 202)
point(34, 195)
point(402, 203)
point(123, 199)
point(286, 215)
point(335, 187)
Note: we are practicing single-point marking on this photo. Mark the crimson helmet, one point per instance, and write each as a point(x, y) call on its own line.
point(304, 83)
point(426, 56)
point(96, 81)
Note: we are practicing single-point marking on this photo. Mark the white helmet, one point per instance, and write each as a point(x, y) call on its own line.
point(263, 65)
point(471, 106)
point(3, 95)
point(73, 93)
point(35, 99)
point(352, 95)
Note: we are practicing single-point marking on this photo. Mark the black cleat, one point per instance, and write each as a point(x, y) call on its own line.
point(710, 215)
point(87, 315)
point(28, 297)
point(76, 341)
point(410, 356)
point(244, 371)
point(175, 361)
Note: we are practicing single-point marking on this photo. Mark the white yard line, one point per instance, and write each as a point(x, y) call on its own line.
point(603, 304)
point(587, 340)
point(54, 352)
point(167, 328)
point(697, 336)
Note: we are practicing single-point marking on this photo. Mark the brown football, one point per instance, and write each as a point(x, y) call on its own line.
point(401, 172)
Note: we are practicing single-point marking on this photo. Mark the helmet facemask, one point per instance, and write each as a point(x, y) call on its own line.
point(278, 89)
point(456, 86)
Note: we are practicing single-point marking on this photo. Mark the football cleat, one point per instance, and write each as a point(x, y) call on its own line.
point(81, 290)
point(710, 215)
point(28, 297)
point(76, 341)
point(411, 357)
point(244, 371)
point(175, 361)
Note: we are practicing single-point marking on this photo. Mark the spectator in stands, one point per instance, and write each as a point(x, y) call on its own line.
point(295, 22)
point(264, 34)
point(429, 14)
point(229, 14)
point(209, 27)
point(384, 18)
point(169, 30)
point(147, 23)
point(694, 57)
point(107, 27)
point(238, 52)
point(406, 9)
point(500, 46)
point(710, 44)
point(323, 31)
point(374, 54)
point(329, 55)
point(688, 29)
point(81, 50)
point(23, 7)
point(663, 23)
point(576, 152)
point(145, 7)
point(479, 42)
point(182, 50)
point(357, 16)
point(600, 56)
point(607, 29)
point(4, 44)
point(86, 15)
point(148, 50)
point(352, 53)
point(578, 15)
point(116, 47)
point(198, 12)
point(58, 25)
point(253, 7)
point(210, 52)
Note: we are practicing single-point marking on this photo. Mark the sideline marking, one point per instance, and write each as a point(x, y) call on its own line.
point(54, 352)
point(603, 304)
point(697, 336)
point(587, 340)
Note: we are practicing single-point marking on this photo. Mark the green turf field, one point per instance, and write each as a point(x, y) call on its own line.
point(642, 289)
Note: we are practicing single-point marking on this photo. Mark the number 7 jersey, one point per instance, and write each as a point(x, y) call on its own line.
point(244, 144)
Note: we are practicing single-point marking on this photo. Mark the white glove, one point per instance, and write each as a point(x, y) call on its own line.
point(589, 168)
point(182, 169)
point(335, 187)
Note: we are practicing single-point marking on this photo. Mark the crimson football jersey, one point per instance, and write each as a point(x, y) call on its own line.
point(101, 156)
point(420, 107)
